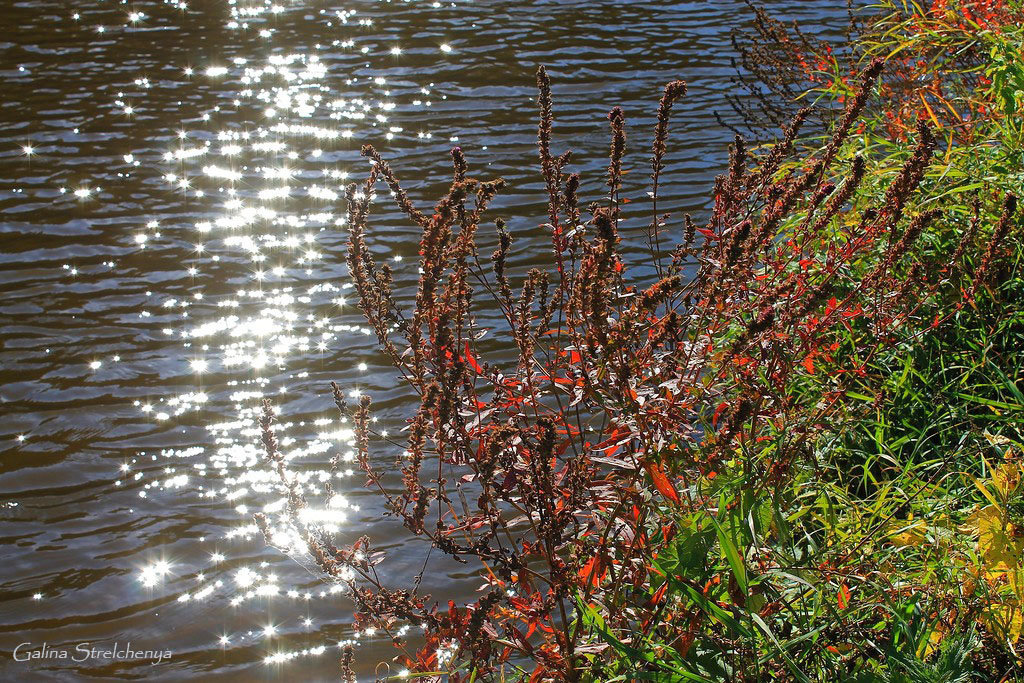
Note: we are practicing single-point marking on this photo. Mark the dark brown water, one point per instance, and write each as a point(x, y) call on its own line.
point(172, 253)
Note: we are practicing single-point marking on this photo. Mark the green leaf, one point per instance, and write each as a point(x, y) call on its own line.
point(732, 555)
point(793, 668)
point(592, 619)
point(990, 402)
point(687, 553)
point(711, 609)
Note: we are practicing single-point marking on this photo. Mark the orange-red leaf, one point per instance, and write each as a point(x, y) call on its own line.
point(472, 361)
point(718, 413)
point(592, 572)
point(661, 482)
point(844, 596)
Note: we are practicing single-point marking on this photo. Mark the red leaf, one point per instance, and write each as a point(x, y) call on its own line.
point(591, 573)
point(844, 596)
point(809, 364)
point(854, 313)
point(718, 413)
point(661, 482)
point(658, 595)
point(556, 380)
point(472, 361)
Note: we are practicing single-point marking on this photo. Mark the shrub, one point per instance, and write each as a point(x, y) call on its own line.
point(666, 470)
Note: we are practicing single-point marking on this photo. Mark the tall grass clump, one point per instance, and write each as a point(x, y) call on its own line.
point(791, 453)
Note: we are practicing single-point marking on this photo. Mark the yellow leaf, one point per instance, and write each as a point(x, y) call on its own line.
point(997, 439)
point(1006, 478)
point(984, 490)
point(1016, 581)
point(998, 545)
point(931, 114)
point(1005, 621)
point(950, 107)
point(974, 520)
point(934, 639)
point(910, 535)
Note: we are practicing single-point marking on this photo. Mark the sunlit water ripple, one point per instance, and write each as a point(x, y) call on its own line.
point(172, 223)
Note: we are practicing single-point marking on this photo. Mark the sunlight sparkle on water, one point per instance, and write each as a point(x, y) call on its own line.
point(149, 576)
point(260, 296)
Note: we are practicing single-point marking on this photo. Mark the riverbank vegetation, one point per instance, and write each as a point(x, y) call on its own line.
point(785, 446)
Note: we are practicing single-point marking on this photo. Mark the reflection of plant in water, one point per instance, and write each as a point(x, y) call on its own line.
point(641, 463)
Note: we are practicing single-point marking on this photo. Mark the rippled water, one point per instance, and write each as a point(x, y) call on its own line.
point(172, 241)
